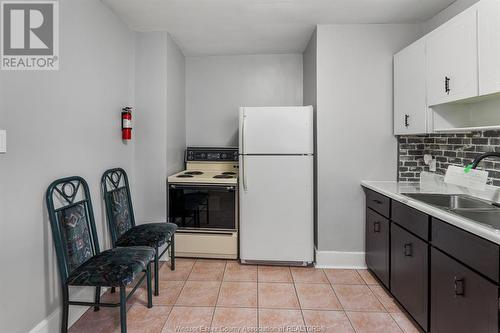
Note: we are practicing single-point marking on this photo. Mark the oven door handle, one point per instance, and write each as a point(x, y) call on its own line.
point(204, 187)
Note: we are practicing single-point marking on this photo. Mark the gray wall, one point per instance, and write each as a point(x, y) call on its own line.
point(160, 121)
point(150, 123)
point(176, 107)
point(355, 141)
point(59, 123)
point(309, 58)
point(217, 86)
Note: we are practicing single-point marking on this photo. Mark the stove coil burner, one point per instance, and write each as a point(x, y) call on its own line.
point(197, 173)
point(185, 176)
point(229, 173)
point(225, 176)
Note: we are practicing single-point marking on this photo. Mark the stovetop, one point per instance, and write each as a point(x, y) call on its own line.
point(209, 165)
point(205, 177)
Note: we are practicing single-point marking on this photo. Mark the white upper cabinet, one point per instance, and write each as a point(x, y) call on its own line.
point(410, 105)
point(452, 60)
point(489, 46)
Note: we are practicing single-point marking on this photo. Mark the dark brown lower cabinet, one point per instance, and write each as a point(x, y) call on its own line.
point(409, 273)
point(377, 245)
point(462, 301)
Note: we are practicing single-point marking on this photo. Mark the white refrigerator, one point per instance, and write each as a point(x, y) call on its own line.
point(276, 147)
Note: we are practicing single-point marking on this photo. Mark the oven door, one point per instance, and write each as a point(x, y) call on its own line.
point(203, 207)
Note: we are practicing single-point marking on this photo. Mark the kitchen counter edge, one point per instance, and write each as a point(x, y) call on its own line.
point(388, 188)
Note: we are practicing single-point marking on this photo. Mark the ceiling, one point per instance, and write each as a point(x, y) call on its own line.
point(219, 27)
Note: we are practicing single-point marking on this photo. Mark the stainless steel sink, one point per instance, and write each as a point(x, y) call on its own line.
point(490, 218)
point(451, 201)
point(477, 210)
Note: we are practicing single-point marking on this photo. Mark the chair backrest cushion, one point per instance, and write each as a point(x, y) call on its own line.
point(120, 206)
point(76, 235)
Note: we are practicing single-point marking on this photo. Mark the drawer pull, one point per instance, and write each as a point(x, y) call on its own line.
point(377, 201)
point(376, 226)
point(459, 287)
point(408, 250)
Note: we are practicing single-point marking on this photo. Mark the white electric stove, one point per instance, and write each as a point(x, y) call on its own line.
point(203, 202)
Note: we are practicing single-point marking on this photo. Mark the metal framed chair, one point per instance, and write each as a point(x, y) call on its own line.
point(80, 261)
point(121, 221)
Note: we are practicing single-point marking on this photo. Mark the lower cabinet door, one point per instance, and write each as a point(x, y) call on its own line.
point(462, 301)
point(377, 245)
point(409, 273)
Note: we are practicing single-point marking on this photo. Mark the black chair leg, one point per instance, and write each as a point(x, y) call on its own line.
point(65, 309)
point(172, 253)
point(97, 299)
point(156, 263)
point(123, 310)
point(148, 282)
point(113, 290)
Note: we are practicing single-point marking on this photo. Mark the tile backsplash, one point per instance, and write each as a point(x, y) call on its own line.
point(448, 149)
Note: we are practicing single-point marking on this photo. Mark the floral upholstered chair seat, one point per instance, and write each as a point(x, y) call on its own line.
point(112, 268)
point(121, 221)
point(151, 234)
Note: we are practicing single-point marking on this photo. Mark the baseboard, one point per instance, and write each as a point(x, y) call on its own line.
point(52, 323)
point(337, 259)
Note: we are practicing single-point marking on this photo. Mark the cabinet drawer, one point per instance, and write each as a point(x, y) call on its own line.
point(377, 245)
point(411, 219)
point(476, 252)
point(409, 273)
point(461, 300)
point(378, 202)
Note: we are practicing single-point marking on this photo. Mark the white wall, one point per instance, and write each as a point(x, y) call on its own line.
point(455, 8)
point(160, 124)
point(59, 123)
point(354, 119)
point(217, 86)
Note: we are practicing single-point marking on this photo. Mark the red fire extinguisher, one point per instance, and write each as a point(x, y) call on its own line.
point(127, 123)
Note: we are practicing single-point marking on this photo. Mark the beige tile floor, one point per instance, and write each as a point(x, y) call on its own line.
point(203, 296)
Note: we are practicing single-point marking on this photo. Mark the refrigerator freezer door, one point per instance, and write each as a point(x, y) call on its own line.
point(276, 209)
point(276, 130)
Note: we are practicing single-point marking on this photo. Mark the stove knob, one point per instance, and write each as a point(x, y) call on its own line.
point(190, 157)
point(203, 156)
point(223, 156)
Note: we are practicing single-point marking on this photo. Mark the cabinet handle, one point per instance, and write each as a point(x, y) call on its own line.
point(408, 250)
point(377, 201)
point(459, 286)
point(407, 117)
point(447, 85)
point(376, 227)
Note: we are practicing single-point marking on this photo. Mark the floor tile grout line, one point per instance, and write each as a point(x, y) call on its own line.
point(298, 300)
point(397, 324)
point(184, 285)
point(218, 293)
point(337, 296)
point(350, 322)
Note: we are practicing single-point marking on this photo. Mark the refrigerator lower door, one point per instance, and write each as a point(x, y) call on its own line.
point(276, 208)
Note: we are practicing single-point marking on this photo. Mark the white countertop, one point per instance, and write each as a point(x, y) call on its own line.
point(432, 183)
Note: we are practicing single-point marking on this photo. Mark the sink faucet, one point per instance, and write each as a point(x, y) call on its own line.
point(483, 156)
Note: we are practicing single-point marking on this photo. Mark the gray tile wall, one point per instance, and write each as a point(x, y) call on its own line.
point(448, 149)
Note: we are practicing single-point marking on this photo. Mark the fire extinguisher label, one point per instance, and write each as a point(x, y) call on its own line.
point(127, 123)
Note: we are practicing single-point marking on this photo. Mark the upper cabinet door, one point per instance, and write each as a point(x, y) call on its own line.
point(452, 60)
point(410, 103)
point(489, 46)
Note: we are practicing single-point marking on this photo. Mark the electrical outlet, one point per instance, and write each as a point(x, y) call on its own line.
point(3, 141)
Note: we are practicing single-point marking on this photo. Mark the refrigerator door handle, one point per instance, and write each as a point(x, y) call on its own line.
point(244, 172)
point(243, 169)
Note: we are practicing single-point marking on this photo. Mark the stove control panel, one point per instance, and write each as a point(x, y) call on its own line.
point(199, 154)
